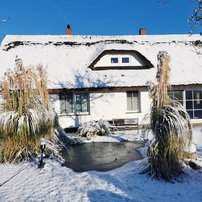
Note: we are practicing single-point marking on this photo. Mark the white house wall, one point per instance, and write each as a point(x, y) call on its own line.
point(106, 106)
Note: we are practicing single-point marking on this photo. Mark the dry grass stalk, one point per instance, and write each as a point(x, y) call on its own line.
point(22, 84)
point(25, 116)
point(170, 125)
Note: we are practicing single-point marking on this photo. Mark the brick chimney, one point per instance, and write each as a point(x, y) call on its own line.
point(68, 30)
point(142, 31)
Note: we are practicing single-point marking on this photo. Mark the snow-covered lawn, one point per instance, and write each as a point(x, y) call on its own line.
point(56, 183)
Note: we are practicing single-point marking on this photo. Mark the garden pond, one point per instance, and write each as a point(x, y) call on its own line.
point(101, 156)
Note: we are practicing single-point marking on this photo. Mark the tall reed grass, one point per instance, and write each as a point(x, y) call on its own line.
point(170, 125)
point(25, 115)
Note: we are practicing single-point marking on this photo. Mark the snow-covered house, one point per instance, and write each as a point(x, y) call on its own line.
point(105, 77)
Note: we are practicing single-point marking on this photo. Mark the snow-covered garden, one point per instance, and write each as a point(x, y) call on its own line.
point(168, 175)
point(57, 183)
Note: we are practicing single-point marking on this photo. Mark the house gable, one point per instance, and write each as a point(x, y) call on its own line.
point(120, 59)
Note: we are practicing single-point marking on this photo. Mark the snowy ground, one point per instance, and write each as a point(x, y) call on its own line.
point(56, 183)
point(120, 136)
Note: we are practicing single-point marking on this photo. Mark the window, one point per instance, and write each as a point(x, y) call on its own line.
point(114, 60)
point(74, 103)
point(66, 103)
point(191, 100)
point(125, 60)
point(194, 104)
point(133, 101)
point(176, 95)
point(1, 98)
point(82, 102)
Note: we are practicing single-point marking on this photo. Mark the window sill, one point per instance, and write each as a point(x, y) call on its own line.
point(75, 114)
point(133, 112)
point(66, 114)
point(82, 113)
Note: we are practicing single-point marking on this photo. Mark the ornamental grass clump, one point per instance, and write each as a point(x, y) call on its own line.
point(170, 125)
point(25, 114)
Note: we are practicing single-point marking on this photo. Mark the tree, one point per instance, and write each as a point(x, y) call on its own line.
point(196, 17)
point(4, 20)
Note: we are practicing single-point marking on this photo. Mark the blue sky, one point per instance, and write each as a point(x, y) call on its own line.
point(95, 17)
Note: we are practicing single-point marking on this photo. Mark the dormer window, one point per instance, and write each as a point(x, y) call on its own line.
point(125, 60)
point(114, 60)
point(119, 60)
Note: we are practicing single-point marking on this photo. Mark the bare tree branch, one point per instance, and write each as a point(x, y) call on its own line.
point(163, 1)
point(196, 17)
point(4, 20)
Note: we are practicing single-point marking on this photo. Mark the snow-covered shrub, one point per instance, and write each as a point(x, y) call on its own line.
point(93, 128)
point(25, 114)
point(170, 125)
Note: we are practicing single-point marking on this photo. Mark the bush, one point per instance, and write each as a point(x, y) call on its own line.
point(93, 128)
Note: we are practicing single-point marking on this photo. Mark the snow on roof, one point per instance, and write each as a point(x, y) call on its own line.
point(67, 58)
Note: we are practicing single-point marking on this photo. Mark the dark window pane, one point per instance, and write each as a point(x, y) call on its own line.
point(198, 114)
point(84, 107)
point(125, 60)
point(197, 95)
point(69, 103)
point(188, 95)
point(189, 105)
point(129, 95)
point(198, 104)
point(78, 108)
point(170, 93)
point(62, 106)
point(82, 102)
point(181, 102)
point(66, 103)
point(190, 114)
point(78, 103)
point(62, 103)
point(78, 98)
point(178, 95)
point(114, 60)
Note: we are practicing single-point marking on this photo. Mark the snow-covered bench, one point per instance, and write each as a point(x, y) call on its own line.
point(128, 123)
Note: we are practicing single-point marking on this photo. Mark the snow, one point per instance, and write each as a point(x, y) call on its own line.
point(25, 182)
point(119, 136)
point(67, 67)
point(197, 139)
point(56, 183)
point(67, 58)
point(95, 38)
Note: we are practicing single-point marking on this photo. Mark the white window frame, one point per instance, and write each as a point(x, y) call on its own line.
point(185, 101)
point(193, 110)
point(138, 110)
